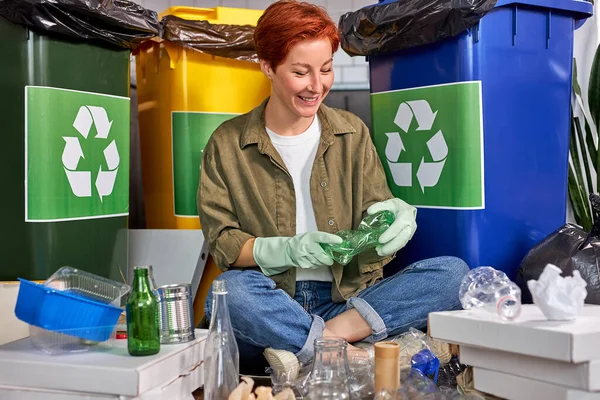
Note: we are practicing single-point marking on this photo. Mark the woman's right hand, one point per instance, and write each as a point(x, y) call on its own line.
point(274, 255)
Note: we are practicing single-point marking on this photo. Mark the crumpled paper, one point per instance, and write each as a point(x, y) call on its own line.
point(560, 298)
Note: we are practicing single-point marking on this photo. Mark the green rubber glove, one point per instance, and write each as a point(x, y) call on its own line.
point(401, 231)
point(274, 255)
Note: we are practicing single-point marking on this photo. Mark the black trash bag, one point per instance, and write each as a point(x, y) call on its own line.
point(570, 248)
point(389, 27)
point(229, 41)
point(117, 22)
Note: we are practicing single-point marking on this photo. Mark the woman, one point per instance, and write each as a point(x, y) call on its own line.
point(285, 177)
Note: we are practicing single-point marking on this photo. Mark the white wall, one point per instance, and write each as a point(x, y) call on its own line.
point(10, 327)
point(351, 72)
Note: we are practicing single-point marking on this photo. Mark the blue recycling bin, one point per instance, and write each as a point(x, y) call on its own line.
point(474, 131)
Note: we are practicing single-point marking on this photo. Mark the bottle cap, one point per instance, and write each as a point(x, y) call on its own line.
point(387, 350)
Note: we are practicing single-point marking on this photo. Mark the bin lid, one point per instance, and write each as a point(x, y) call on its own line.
point(581, 8)
point(585, 9)
point(217, 15)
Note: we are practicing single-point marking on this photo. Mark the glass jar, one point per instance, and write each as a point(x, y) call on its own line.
point(329, 378)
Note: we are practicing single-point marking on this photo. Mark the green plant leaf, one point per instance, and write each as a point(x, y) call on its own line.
point(594, 89)
point(576, 197)
point(584, 151)
point(579, 193)
point(576, 86)
point(579, 205)
point(591, 146)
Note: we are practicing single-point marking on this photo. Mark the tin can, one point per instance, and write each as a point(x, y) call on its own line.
point(176, 313)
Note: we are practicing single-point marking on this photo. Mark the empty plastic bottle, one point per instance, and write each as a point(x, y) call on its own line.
point(364, 238)
point(491, 290)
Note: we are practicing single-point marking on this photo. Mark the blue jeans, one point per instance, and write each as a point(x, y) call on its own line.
point(263, 316)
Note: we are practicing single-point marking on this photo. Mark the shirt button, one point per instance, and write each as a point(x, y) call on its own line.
point(323, 184)
point(331, 222)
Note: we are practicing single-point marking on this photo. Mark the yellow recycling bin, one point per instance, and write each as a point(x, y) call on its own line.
point(183, 96)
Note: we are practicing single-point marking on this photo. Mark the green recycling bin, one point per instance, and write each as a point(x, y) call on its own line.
point(65, 111)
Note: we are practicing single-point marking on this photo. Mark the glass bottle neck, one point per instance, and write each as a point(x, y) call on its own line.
point(220, 314)
point(140, 280)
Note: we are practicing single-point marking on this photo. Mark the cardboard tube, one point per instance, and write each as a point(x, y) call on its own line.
point(387, 366)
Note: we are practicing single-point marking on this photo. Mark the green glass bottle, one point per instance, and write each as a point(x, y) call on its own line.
point(143, 336)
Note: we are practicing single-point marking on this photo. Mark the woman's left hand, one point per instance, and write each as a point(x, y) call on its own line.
point(401, 230)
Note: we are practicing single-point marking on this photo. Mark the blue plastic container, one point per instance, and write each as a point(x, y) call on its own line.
point(65, 312)
point(519, 62)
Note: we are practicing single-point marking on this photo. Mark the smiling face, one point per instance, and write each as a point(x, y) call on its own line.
point(303, 79)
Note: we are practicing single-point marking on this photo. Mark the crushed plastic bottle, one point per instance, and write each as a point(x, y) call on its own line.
point(489, 289)
point(448, 373)
point(426, 362)
point(364, 238)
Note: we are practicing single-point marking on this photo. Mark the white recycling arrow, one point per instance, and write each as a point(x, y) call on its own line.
point(105, 182)
point(81, 182)
point(438, 147)
point(72, 152)
point(101, 121)
point(422, 112)
point(83, 121)
point(111, 154)
point(425, 117)
point(394, 146)
point(401, 173)
point(428, 174)
point(404, 117)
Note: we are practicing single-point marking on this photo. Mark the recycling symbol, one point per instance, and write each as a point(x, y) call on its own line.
point(428, 173)
point(81, 181)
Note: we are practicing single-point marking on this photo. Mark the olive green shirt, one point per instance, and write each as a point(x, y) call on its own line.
point(245, 191)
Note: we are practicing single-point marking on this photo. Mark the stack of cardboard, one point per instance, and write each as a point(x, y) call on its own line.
point(529, 358)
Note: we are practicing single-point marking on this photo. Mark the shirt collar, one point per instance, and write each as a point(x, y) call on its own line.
point(332, 123)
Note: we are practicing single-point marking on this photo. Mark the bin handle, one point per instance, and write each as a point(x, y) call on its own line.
point(192, 13)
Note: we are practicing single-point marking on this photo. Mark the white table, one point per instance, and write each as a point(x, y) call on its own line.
point(174, 373)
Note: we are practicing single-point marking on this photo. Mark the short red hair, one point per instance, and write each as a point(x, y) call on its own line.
point(287, 22)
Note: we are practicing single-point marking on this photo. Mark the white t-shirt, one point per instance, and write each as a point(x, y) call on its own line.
point(298, 153)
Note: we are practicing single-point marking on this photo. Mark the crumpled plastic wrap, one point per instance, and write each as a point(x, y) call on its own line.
point(416, 386)
point(121, 23)
point(570, 248)
point(393, 26)
point(228, 41)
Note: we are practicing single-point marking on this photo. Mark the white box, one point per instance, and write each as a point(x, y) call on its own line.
point(112, 372)
point(531, 334)
point(583, 376)
point(512, 387)
point(180, 389)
